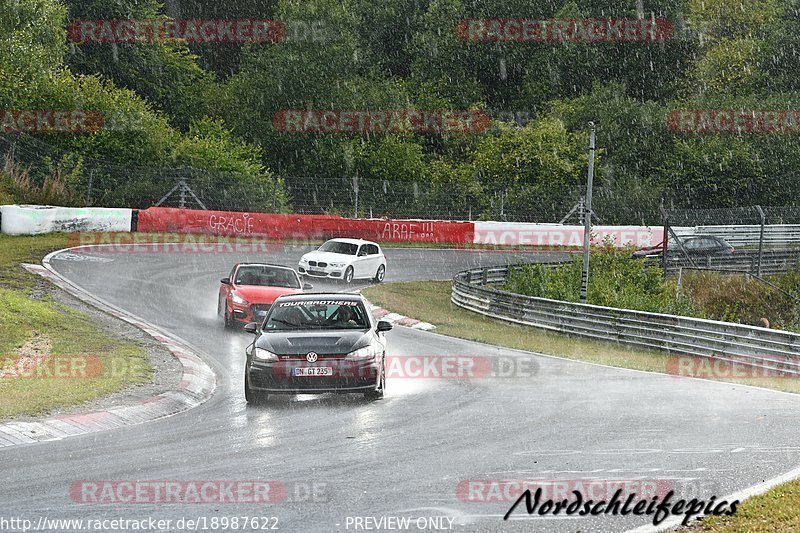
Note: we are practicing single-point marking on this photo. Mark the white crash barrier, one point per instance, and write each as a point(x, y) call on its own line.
point(775, 235)
point(35, 219)
point(530, 234)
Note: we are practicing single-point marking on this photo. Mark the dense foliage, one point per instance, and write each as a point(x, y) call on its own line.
point(619, 280)
point(209, 107)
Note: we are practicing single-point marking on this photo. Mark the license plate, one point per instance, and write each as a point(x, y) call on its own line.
point(317, 273)
point(307, 371)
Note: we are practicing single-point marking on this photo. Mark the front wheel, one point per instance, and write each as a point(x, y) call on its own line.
point(226, 320)
point(379, 275)
point(348, 275)
point(378, 393)
point(251, 396)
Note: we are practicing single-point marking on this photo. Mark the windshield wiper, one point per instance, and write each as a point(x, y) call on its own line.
point(280, 321)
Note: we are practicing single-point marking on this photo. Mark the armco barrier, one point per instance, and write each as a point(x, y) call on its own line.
point(772, 262)
point(775, 235)
point(754, 346)
point(277, 226)
point(35, 219)
point(529, 234)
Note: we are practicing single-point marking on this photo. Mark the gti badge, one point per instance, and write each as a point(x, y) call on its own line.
point(311, 357)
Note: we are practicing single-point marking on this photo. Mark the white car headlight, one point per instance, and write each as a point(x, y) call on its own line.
point(367, 352)
point(235, 298)
point(263, 355)
point(303, 259)
point(337, 265)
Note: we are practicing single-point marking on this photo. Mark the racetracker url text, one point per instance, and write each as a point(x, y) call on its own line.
point(113, 525)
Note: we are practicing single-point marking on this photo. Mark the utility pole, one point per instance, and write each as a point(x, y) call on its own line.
point(355, 189)
point(587, 219)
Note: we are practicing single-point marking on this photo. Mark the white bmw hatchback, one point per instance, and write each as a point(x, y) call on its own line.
point(345, 259)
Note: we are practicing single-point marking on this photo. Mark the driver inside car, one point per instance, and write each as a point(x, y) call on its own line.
point(345, 317)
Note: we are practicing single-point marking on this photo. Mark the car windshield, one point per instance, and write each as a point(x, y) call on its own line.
point(266, 276)
point(317, 314)
point(338, 247)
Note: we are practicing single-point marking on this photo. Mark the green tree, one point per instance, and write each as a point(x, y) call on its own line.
point(164, 73)
point(537, 168)
point(714, 171)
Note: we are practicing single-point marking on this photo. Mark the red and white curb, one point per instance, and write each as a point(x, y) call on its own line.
point(197, 384)
point(382, 314)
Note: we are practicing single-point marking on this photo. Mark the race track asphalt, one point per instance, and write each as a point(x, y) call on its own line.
point(406, 455)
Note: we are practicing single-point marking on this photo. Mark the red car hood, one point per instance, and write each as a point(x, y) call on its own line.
point(262, 295)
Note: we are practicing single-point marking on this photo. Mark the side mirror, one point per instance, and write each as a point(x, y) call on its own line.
point(251, 327)
point(362, 253)
point(307, 286)
point(225, 281)
point(383, 326)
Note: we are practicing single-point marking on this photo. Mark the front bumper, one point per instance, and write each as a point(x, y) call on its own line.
point(244, 314)
point(321, 272)
point(277, 377)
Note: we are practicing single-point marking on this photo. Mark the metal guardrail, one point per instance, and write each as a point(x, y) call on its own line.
point(772, 261)
point(771, 350)
point(775, 235)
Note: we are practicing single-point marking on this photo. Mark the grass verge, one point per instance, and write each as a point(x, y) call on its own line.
point(776, 510)
point(52, 356)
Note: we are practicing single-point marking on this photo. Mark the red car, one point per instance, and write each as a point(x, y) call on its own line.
point(248, 293)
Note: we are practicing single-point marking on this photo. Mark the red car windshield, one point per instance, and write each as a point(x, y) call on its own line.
point(266, 276)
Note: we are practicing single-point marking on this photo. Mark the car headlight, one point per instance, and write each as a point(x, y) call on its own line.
point(367, 352)
point(235, 298)
point(263, 355)
point(336, 265)
point(303, 259)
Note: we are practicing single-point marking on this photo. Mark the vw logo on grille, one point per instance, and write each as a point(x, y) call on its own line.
point(311, 357)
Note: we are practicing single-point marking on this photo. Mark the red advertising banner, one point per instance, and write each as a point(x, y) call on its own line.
point(283, 227)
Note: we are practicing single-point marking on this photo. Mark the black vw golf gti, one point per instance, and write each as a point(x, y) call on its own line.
point(313, 343)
